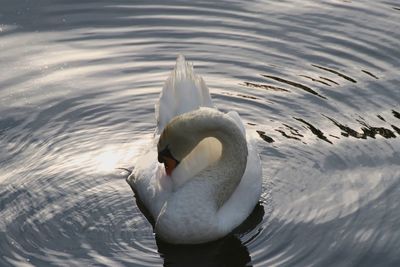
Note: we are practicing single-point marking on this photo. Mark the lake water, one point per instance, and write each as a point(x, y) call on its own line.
point(318, 80)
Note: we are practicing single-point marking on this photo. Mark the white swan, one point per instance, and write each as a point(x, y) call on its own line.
point(199, 177)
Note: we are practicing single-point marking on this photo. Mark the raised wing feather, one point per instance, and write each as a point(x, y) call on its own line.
point(183, 91)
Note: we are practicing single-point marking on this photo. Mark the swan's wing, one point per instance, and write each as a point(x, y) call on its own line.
point(235, 116)
point(148, 179)
point(183, 91)
point(243, 200)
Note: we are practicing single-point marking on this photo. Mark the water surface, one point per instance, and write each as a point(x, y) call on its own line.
point(318, 81)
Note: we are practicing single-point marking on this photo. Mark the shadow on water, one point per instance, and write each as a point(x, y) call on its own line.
point(228, 251)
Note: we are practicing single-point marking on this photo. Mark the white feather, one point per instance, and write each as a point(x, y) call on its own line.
point(183, 91)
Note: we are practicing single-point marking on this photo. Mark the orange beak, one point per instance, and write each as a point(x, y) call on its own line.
point(169, 164)
point(169, 161)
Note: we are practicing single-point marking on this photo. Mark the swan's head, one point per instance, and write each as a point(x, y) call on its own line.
point(175, 144)
point(170, 162)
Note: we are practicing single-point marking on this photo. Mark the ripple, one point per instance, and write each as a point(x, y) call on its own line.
point(370, 74)
point(266, 87)
point(314, 130)
point(265, 137)
point(337, 73)
point(297, 85)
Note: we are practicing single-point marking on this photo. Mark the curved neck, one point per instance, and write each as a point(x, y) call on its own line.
point(229, 169)
point(224, 175)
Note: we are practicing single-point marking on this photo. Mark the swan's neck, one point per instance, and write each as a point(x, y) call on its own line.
point(226, 173)
point(222, 176)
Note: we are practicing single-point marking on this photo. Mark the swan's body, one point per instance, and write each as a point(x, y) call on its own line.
point(217, 181)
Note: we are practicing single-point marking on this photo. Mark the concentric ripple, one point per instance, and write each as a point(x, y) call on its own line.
point(316, 81)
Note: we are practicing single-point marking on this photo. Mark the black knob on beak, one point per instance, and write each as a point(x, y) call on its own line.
point(166, 153)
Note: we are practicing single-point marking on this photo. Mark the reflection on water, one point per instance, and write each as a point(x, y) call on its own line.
point(316, 81)
point(226, 252)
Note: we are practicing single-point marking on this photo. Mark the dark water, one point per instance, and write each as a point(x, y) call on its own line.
point(318, 80)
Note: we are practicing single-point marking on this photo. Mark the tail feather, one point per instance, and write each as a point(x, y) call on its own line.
point(183, 91)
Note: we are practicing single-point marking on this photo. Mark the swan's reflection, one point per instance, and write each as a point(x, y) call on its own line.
point(228, 251)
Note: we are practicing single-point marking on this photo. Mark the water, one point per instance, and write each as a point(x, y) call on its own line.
point(318, 81)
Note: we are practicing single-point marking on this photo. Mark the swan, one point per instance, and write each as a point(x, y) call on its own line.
point(200, 175)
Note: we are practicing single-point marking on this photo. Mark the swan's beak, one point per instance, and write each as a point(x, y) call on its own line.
point(169, 161)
